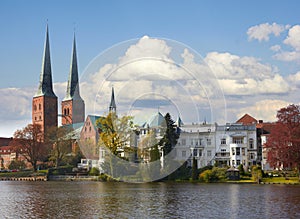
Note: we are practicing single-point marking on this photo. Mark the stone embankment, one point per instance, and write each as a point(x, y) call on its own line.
point(27, 178)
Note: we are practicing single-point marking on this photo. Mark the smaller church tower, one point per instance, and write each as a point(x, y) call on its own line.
point(44, 103)
point(112, 105)
point(72, 106)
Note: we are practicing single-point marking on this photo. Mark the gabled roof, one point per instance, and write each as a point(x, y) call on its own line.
point(93, 119)
point(247, 120)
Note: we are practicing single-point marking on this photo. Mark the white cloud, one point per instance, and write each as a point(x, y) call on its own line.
point(264, 109)
point(287, 56)
point(275, 48)
point(293, 38)
point(16, 112)
point(245, 75)
point(294, 80)
point(262, 32)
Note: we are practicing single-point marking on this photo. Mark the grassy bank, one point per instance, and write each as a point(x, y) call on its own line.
point(281, 180)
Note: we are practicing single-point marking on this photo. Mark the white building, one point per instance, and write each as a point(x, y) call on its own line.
point(236, 144)
point(196, 140)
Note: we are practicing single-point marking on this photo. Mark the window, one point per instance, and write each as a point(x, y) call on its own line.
point(90, 128)
point(238, 151)
point(251, 143)
point(34, 107)
point(40, 106)
point(192, 142)
point(233, 151)
point(68, 111)
point(183, 153)
point(238, 140)
point(183, 142)
point(252, 156)
point(208, 141)
point(200, 153)
point(223, 152)
point(238, 162)
point(195, 152)
point(223, 141)
point(209, 153)
point(243, 151)
point(233, 163)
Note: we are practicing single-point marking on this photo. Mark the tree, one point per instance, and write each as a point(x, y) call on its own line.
point(61, 140)
point(17, 164)
point(171, 135)
point(30, 142)
point(115, 135)
point(283, 144)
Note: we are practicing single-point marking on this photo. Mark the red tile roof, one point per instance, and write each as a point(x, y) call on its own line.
point(247, 120)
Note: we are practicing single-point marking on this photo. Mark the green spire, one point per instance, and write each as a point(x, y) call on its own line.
point(45, 84)
point(73, 85)
point(112, 106)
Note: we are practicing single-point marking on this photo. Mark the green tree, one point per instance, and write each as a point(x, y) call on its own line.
point(61, 140)
point(241, 169)
point(30, 142)
point(171, 135)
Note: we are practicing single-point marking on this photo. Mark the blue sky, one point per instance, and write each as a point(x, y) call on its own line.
point(215, 29)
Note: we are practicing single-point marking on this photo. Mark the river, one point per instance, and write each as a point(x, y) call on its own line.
point(86, 199)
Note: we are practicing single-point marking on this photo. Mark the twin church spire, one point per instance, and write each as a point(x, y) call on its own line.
point(44, 103)
point(45, 110)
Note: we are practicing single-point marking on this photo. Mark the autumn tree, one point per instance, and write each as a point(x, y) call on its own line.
point(115, 133)
point(60, 138)
point(283, 144)
point(30, 143)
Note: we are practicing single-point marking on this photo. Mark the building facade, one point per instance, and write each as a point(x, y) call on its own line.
point(236, 144)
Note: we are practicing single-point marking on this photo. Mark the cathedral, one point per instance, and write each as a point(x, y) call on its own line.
point(44, 103)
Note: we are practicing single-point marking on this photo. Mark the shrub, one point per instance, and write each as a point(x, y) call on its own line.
point(94, 172)
point(256, 173)
point(216, 174)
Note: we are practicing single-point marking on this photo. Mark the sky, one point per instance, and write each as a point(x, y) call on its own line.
point(242, 56)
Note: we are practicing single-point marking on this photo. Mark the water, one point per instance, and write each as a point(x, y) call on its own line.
point(19, 199)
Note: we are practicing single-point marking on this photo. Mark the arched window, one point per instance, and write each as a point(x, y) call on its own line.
point(34, 107)
point(68, 112)
point(40, 106)
point(65, 111)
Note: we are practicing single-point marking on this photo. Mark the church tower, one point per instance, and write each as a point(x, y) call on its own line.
point(112, 105)
point(44, 103)
point(72, 106)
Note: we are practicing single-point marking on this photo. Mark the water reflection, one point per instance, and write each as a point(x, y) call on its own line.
point(149, 200)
